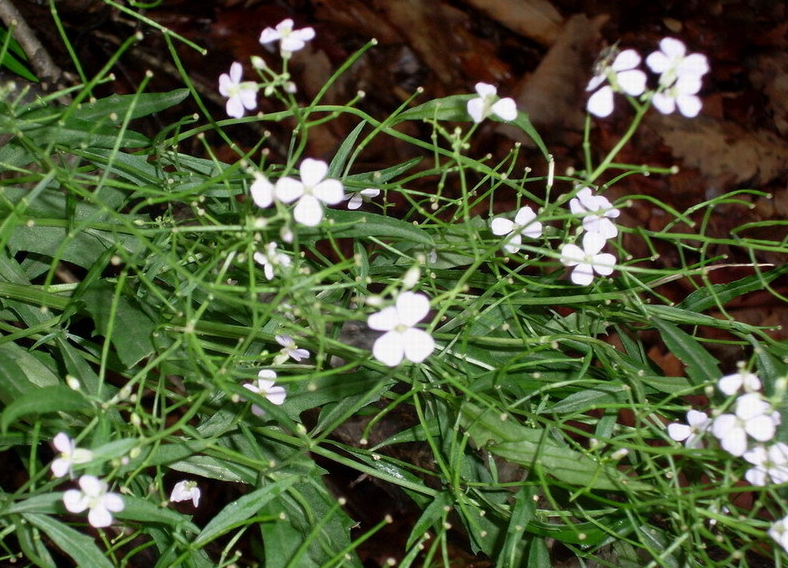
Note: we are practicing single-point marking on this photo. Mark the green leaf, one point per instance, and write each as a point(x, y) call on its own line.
point(701, 366)
point(131, 329)
point(345, 149)
point(144, 105)
point(430, 516)
point(720, 294)
point(363, 224)
point(138, 509)
point(81, 548)
point(241, 509)
point(531, 447)
point(57, 398)
point(21, 372)
point(588, 398)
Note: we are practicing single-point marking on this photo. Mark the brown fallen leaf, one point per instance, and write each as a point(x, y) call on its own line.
point(538, 20)
point(723, 150)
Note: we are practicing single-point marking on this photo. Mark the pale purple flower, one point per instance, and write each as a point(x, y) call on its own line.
point(356, 199)
point(488, 103)
point(265, 385)
point(622, 76)
point(771, 464)
point(184, 491)
point(524, 224)
point(402, 340)
point(312, 190)
point(241, 95)
point(290, 348)
point(753, 416)
point(271, 260)
point(731, 384)
point(588, 259)
point(672, 62)
point(69, 456)
point(92, 495)
point(290, 40)
point(597, 212)
point(690, 433)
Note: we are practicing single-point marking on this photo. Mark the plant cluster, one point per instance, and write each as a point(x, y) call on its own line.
point(173, 323)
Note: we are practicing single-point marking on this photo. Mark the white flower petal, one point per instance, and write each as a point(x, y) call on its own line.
point(632, 82)
point(604, 263)
point(313, 171)
point(262, 191)
point(475, 109)
point(756, 476)
point(627, 59)
point(384, 320)
point(417, 345)
point(288, 189)
point(355, 201)
point(506, 109)
point(501, 226)
point(583, 274)
point(412, 307)
point(113, 502)
point(679, 432)
point(388, 349)
point(485, 90)
point(75, 501)
point(99, 517)
point(760, 428)
point(308, 211)
point(63, 443)
point(601, 103)
point(664, 103)
point(689, 105)
point(329, 191)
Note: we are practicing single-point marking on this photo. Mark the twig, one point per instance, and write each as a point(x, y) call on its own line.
point(39, 57)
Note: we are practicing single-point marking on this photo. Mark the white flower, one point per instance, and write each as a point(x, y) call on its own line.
point(622, 76)
point(588, 259)
point(185, 490)
point(265, 385)
point(290, 40)
point(401, 339)
point(681, 94)
point(290, 349)
point(523, 224)
point(356, 199)
point(770, 464)
point(310, 192)
point(779, 532)
point(690, 433)
point(70, 455)
point(271, 259)
point(671, 62)
point(486, 104)
point(730, 384)
point(598, 213)
point(242, 96)
point(753, 417)
point(262, 190)
point(93, 495)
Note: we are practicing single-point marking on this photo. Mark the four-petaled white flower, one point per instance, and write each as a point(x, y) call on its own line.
point(598, 213)
point(488, 103)
point(271, 259)
point(730, 384)
point(753, 416)
point(242, 95)
point(622, 76)
point(770, 464)
point(402, 340)
point(690, 433)
point(185, 490)
point(92, 494)
point(356, 199)
point(310, 192)
point(290, 40)
point(70, 455)
point(588, 259)
point(524, 224)
point(672, 62)
point(779, 532)
point(262, 191)
point(290, 348)
point(265, 385)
